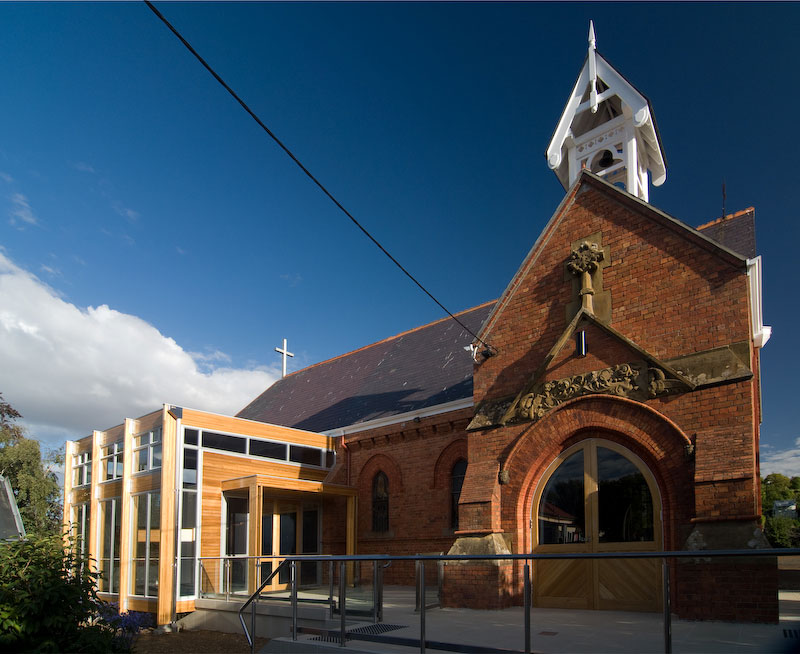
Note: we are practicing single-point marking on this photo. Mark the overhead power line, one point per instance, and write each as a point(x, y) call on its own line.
point(307, 172)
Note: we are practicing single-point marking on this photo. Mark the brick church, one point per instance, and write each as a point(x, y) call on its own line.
point(608, 401)
point(611, 400)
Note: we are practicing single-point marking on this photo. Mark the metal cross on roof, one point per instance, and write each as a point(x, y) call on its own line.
point(285, 353)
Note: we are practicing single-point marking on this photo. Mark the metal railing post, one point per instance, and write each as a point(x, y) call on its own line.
point(375, 591)
point(667, 608)
point(416, 590)
point(293, 571)
point(526, 589)
point(331, 600)
point(342, 600)
point(421, 596)
point(253, 627)
point(228, 580)
point(380, 592)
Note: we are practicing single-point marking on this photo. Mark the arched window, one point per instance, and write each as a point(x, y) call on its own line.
point(380, 502)
point(456, 482)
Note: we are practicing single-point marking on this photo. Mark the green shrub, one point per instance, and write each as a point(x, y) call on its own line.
point(782, 532)
point(48, 600)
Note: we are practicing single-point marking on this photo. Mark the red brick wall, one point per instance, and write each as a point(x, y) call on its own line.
point(417, 458)
point(668, 295)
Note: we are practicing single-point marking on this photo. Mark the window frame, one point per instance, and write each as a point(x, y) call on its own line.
point(117, 458)
point(380, 505)
point(455, 495)
point(152, 444)
point(82, 468)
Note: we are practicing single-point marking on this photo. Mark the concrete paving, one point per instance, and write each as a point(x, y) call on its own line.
point(558, 631)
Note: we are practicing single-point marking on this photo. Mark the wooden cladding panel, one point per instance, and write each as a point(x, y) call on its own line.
point(201, 420)
point(146, 481)
point(218, 467)
point(169, 517)
point(148, 422)
point(112, 435)
point(141, 604)
point(109, 489)
point(69, 449)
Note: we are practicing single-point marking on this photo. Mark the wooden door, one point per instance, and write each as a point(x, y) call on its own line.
point(597, 497)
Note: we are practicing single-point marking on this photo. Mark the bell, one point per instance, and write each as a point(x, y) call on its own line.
point(606, 160)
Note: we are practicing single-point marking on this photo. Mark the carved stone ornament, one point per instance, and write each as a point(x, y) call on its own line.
point(584, 258)
point(621, 380)
point(659, 384)
point(489, 414)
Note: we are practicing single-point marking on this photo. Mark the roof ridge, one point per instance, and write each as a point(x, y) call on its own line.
point(729, 216)
point(390, 338)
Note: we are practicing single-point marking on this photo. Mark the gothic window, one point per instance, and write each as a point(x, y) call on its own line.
point(380, 503)
point(456, 482)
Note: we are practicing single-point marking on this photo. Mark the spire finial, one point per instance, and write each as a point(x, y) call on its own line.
point(592, 70)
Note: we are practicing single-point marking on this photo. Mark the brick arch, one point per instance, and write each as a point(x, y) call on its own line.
point(651, 436)
point(370, 469)
point(447, 459)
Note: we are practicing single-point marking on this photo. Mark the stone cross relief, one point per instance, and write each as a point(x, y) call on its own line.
point(583, 261)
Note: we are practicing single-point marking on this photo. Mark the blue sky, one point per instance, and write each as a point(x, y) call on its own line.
point(157, 246)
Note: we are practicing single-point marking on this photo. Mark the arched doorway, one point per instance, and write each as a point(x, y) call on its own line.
point(597, 497)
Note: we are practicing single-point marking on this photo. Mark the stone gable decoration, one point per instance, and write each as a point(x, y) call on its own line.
point(584, 267)
point(621, 380)
point(640, 379)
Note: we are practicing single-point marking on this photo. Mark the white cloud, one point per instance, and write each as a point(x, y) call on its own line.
point(82, 166)
point(293, 279)
point(8, 179)
point(787, 461)
point(22, 210)
point(70, 370)
point(50, 270)
point(129, 214)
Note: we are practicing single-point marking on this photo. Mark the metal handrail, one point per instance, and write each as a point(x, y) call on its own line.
point(254, 597)
point(343, 559)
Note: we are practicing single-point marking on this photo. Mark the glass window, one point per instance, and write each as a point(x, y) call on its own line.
point(561, 508)
point(188, 539)
point(112, 461)
point(189, 468)
point(82, 468)
point(190, 436)
point(146, 533)
point(625, 506)
point(147, 450)
point(268, 449)
point(111, 526)
point(380, 502)
point(81, 518)
point(224, 442)
point(456, 482)
point(310, 456)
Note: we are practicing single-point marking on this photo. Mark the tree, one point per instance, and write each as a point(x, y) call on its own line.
point(775, 486)
point(36, 488)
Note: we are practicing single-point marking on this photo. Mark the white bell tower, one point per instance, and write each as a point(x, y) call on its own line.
point(607, 127)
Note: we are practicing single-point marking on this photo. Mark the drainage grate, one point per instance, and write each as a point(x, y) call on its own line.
point(375, 629)
point(791, 633)
point(548, 633)
point(329, 638)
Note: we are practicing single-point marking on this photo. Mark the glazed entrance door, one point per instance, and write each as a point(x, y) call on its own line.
point(597, 497)
point(288, 527)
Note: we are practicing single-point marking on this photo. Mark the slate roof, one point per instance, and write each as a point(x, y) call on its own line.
point(736, 231)
point(414, 370)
